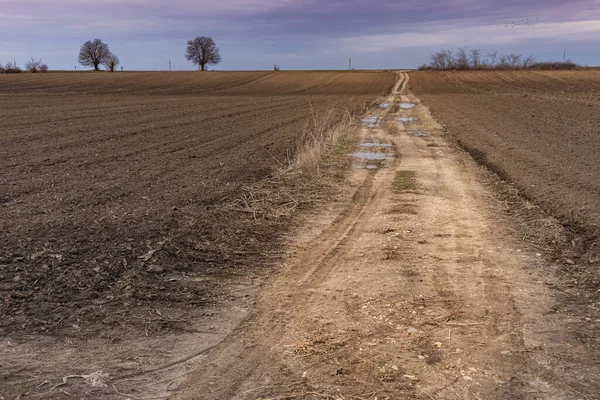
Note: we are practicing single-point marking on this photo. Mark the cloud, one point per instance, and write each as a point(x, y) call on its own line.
point(449, 36)
point(313, 32)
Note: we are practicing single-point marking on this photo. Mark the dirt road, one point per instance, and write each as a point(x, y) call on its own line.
point(415, 284)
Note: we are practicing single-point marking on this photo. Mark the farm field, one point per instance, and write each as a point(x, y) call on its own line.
point(115, 186)
point(540, 130)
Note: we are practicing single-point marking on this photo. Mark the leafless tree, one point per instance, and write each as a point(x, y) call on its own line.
point(448, 58)
point(111, 62)
point(438, 60)
point(465, 60)
point(43, 68)
point(475, 58)
point(93, 53)
point(503, 63)
point(513, 59)
point(33, 65)
point(493, 56)
point(276, 67)
point(528, 62)
point(202, 51)
point(462, 59)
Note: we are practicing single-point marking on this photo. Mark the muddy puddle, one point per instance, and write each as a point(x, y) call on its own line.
point(384, 105)
point(420, 134)
point(371, 156)
point(373, 144)
point(370, 122)
point(407, 105)
point(406, 119)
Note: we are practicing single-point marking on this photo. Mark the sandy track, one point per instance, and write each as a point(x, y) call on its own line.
point(411, 286)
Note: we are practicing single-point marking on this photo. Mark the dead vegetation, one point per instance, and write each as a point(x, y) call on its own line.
point(464, 59)
point(324, 129)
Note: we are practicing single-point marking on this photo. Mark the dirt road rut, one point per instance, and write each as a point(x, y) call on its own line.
point(412, 286)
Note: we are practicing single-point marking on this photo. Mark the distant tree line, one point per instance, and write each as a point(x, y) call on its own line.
point(32, 65)
point(474, 59)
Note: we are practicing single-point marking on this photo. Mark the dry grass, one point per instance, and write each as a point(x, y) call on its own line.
point(324, 130)
point(280, 195)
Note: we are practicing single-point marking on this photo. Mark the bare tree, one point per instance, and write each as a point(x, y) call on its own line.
point(475, 58)
point(528, 62)
point(448, 59)
point(111, 62)
point(513, 60)
point(462, 60)
point(202, 51)
point(493, 56)
point(437, 60)
point(33, 65)
point(93, 53)
point(465, 60)
point(43, 68)
point(276, 67)
point(503, 63)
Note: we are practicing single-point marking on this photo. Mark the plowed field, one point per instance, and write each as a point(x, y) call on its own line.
point(115, 186)
point(539, 130)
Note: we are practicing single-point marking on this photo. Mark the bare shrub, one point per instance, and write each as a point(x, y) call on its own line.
point(443, 59)
point(493, 56)
point(11, 68)
point(33, 65)
point(513, 60)
point(551, 65)
point(463, 60)
point(475, 57)
point(528, 62)
point(43, 68)
point(111, 62)
point(276, 67)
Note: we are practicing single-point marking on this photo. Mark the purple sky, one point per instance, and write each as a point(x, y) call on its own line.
point(297, 34)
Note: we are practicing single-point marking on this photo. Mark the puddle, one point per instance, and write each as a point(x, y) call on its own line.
point(372, 166)
point(406, 119)
point(384, 105)
point(370, 122)
point(372, 155)
point(376, 145)
point(420, 134)
point(407, 105)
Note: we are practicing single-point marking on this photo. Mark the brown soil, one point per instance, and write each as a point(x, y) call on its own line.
point(105, 196)
point(129, 201)
point(414, 284)
point(423, 276)
point(540, 130)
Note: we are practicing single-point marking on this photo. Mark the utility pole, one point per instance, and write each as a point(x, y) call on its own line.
point(350, 64)
point(169, 65)
point(564, 56)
